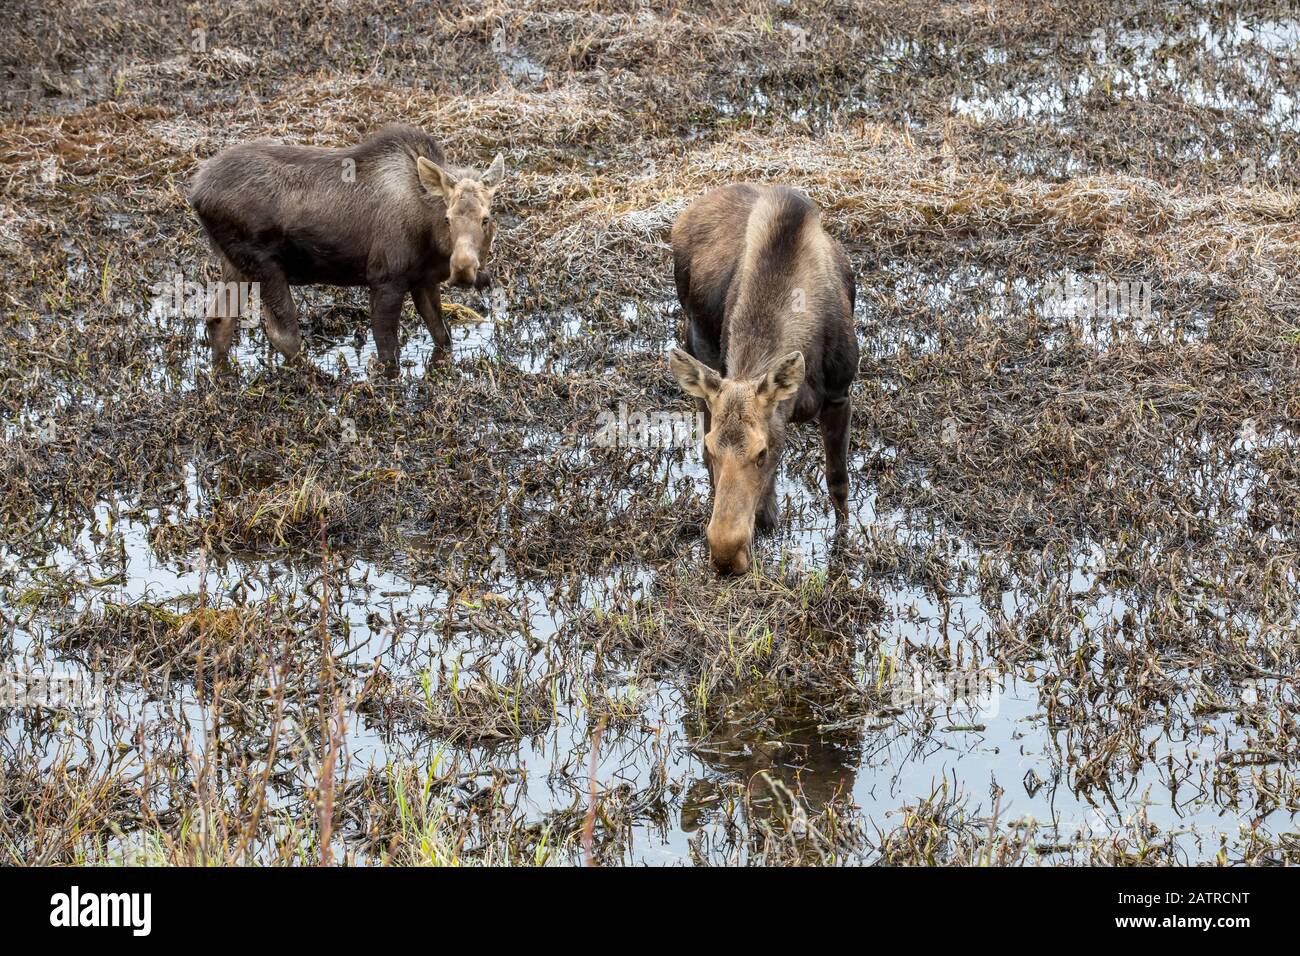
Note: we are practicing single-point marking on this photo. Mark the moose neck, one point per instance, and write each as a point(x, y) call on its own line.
point(761, 330)
point(753, 343)
point(768, 315)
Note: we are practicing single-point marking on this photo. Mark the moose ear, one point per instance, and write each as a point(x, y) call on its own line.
point(783, 378)
point(694, 376)
point(437, 180)
point(496, 172)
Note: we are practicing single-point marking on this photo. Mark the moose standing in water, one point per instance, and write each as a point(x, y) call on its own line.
point(388, 213)
point(768, 297)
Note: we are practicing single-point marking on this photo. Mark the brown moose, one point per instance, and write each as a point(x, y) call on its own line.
point(388, 213)
point(770, 339)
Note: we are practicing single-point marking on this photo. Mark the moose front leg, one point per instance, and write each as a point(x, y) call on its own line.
point(281, 317)
point(834, 420)
point(768, 514)
point(705, 424)
point(428, 302)
point(385, 322)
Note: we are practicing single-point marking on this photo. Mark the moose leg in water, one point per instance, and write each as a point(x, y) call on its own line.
point(834, 420)
point(223, 315)
point(428, 302)
point(705, 422)
point(385, 320)
point(279, 313)
point(768, 514)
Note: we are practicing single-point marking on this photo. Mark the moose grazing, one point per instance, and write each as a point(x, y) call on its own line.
point(388, 213)
point(770, 339)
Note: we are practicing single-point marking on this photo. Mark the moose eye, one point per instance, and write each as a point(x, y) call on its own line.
point(486, 220)
point(447, 220)
point(760, 457)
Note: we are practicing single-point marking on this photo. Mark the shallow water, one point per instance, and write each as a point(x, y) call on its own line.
point(1004, 756)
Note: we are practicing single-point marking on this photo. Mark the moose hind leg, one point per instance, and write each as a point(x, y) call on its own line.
point(835, 419)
